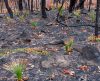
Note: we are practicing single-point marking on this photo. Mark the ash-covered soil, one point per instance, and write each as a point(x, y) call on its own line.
point(49, 36)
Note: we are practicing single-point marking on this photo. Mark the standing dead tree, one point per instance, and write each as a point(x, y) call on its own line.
point(72, 5)
point(8, 8)
point(1, 5)
point(90, 3)
point(97, 25)
point(43, 8)
point(20, 5)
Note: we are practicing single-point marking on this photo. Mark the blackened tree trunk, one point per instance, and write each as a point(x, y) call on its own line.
point(81, 4)
point(25, 4)
point(97, 18)
point(90, 3)
point(31, 5)
point(72, 5)
point(1, 5)
point(20, 5)
point(8, 8)
point(43, 8)
point(37, 4)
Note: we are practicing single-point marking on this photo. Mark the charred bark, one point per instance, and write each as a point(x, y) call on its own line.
point(97, 18)
point(72, 5)
point(43, 8)
point(90, 3)
point(1, 5)
point(20, 5)
point(31, 5)
point(8, 8)
point(81, 4)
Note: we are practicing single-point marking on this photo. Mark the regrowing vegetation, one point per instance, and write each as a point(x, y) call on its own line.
point(49, 40)
point(17, 67)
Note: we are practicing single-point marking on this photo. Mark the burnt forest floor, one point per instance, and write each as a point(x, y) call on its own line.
point(43, 47)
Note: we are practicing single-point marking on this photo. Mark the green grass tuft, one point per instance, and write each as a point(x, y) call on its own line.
point(34, 24)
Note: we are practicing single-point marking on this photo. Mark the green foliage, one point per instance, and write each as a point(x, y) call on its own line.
point(1, 54)
point(77, 13)
point(53, 8)
point(6, 52)
point(94, 38)
point(98, 39)
point(60, 10)
point(26, 13)
point(34, 24)
point(18, 70)
point(16, 67)
point(22, 18)
point(9, 19)
point(16, 13)
point(92, 15)
point(68, 46)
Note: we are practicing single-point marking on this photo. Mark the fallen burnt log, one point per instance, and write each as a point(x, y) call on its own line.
point(61, 20)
